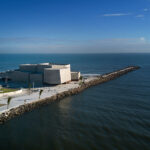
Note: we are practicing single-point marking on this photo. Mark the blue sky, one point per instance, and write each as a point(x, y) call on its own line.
point(74, 26)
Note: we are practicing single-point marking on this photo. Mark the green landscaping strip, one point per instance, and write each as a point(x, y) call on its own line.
point(2, 105)
point(6, 90)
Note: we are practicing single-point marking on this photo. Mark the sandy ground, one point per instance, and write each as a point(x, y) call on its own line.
point(26, 97)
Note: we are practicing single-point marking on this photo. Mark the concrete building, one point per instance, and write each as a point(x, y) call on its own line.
point(57, 75)
point(28, 67)
point(47, 73)
point(19, 76)
point(75, 76)
point(36, 78)
point(40, 67)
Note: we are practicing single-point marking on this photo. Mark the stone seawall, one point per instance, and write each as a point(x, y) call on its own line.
point(7, 115)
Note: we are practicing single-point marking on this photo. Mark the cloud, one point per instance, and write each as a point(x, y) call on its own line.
point(124, 41)
point(33, 40)
point(140, 16)
point(146, 9)
point(142, 39)
point(112, 45)
point(116, 15)
point(125, 14)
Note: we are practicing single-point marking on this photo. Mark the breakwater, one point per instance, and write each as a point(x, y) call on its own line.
point(8, 114)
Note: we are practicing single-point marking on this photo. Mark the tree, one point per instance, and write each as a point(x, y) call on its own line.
point(8, 101)
point(25, 101)
point(29, 88)
point(40, 93)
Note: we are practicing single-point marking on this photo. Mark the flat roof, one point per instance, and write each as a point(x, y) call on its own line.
point(47, 63)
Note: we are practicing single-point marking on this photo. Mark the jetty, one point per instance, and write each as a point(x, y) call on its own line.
point(29, 100)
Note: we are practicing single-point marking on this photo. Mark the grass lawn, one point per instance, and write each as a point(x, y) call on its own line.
point(6, 90)
point(2, 105)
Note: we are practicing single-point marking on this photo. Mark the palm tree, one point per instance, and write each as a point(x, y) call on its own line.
point(25, 101)
point(40, 93)
point(29, 88)
point(8, 101)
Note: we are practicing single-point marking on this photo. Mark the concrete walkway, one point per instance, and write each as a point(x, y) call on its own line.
point(26, 97)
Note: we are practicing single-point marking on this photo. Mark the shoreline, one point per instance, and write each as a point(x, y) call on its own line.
point(70, 89)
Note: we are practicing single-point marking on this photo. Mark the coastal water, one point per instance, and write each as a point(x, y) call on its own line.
point(114, 115)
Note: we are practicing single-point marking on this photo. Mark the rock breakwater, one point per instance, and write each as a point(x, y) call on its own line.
point(11, 113)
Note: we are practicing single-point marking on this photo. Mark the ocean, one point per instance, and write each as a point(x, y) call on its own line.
point(111, 116)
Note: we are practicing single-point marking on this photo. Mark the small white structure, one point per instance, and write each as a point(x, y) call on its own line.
point(75, 76)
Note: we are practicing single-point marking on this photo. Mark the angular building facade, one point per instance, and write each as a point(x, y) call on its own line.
point(44, 73)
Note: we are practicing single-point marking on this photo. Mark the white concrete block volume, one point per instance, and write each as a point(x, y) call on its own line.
point(45, 73)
